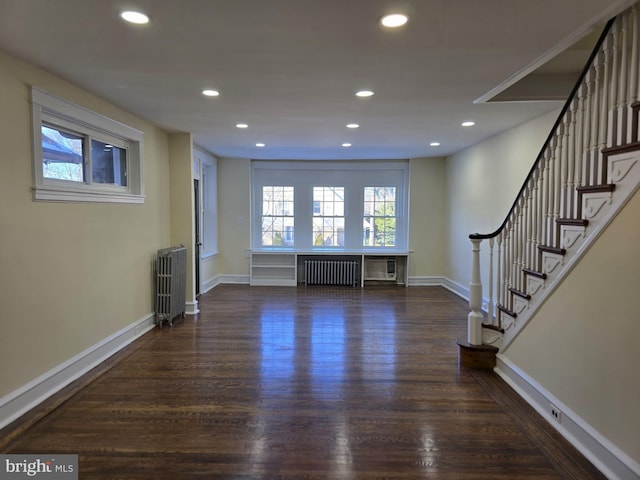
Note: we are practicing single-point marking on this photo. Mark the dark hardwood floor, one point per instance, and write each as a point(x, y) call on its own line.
point(300, 383)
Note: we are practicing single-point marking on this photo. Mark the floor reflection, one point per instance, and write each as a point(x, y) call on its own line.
point(379, 343)
point(328, 343)
point(278, 336)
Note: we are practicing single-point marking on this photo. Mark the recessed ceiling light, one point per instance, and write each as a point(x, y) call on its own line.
point(132, 16)
point(210, 93)
point(346, 144)
point(242, 125)
point(435, 144)
point(364, 93)
point(352, 125)
point(394, 20)
point(260, 145)
point(468, 124)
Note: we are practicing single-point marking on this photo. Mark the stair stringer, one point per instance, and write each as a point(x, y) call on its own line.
point(600, 209)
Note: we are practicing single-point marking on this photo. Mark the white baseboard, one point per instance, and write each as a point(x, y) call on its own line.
point(456, 288)
point(608, 458)
point(20, 401)
point(234, 279)
point(191, 308)
point(425, 281)
point(210, 284)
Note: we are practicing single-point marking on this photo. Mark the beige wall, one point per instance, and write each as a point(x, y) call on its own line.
point(70, 274)
point(482, 183)
point(234, 215)
point(428, 217)
point(582, 346)
point(182, 202)
point(427, 211)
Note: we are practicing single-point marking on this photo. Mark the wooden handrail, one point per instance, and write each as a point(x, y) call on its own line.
point(565, 108)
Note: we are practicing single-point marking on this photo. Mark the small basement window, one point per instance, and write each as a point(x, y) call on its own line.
point(82, 156)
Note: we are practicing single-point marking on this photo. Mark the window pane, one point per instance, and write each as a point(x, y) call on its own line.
point(379, 219)
point(62, 154)
point(277, 216)
point(108, 164)
point(328, 212)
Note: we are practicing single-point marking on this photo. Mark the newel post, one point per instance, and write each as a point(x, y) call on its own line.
point(474, 335)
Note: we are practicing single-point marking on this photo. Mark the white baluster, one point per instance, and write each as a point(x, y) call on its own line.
point(615, 132)
point(554, 188)
point(490, 301)
point(634, 80)
point(474, 334)
point(623, 95)
point(603, 124)
point(571, 160)
point(595, 122)
point(500, 274)
point(529, 224)
point(535, 218)
point(516, 248)
point(588, 131)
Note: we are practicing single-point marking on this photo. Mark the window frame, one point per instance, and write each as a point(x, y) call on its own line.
point(58, 113)
point(321, 215)
point(353, 175)
point(383, 217)
point(283, 216)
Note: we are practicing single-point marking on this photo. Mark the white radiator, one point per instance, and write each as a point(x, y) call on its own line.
point(171, 283)
point(331, 272)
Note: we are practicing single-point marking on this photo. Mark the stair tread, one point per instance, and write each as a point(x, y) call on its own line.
point(507, 311)
point(492, 327)
point(556, 250)
point(517, 292)
point(627, 147)
point(578, 222)
point(535, 273)
point(607, 187)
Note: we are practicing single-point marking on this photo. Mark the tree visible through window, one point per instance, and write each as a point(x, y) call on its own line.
point(64, 157)
point(277, 216)
point(328, 216)
point(379, 222)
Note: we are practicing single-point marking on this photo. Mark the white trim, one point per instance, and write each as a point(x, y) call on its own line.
point(233, 279)
point(20, 401)
point(608, 458)
point(611, 11)
point(622, 194)
point(59, 194)
point(352, 175)
point(463, 292)
point(88, 118)
point(456, 288)
point(426, 281)
point(210, 284)
point(61, 113)
point(191, 308)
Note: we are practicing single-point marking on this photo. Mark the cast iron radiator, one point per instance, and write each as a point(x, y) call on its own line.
point(331, 272)
point(171, 283)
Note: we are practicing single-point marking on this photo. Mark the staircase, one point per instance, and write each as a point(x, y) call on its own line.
point(587, 170)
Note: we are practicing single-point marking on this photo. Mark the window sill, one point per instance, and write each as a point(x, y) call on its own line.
point(334, 251)
point(56, 194)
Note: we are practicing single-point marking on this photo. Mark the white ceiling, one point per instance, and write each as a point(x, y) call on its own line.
point(290, 68)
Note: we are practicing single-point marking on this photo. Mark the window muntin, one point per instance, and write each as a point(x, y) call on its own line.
point(353, 177)
point(379, 219)
point(328, 216)
point(277, 216)
point(64, 157)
